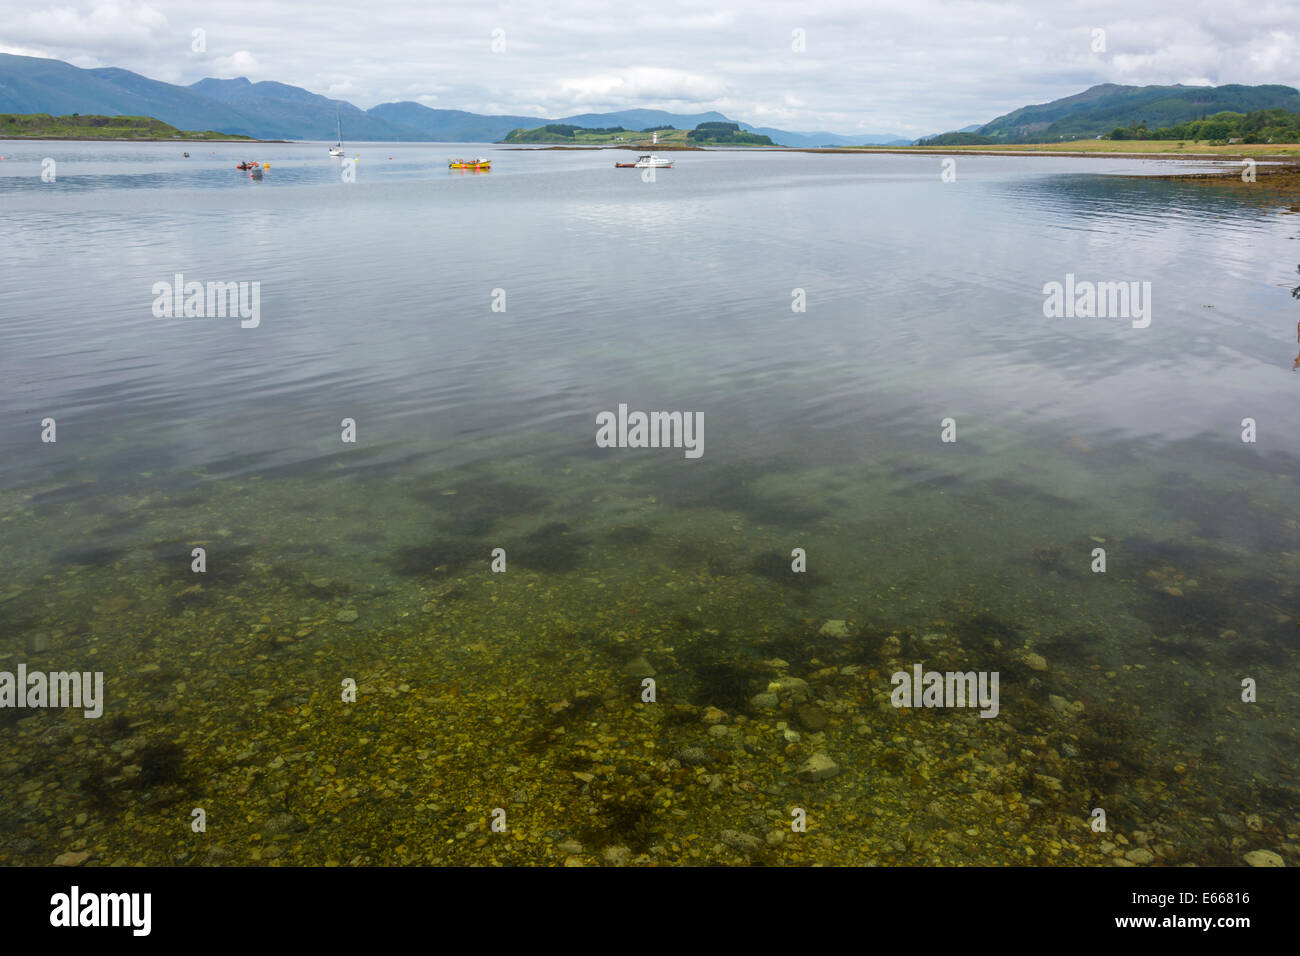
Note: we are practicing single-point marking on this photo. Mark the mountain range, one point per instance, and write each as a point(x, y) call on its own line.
point(270, 110)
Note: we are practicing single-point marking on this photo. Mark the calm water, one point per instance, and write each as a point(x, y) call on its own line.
point(370, 561)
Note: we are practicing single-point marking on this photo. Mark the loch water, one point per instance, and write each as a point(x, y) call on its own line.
point(832, 318)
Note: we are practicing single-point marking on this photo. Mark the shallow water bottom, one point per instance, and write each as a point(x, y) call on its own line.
point(488, 699)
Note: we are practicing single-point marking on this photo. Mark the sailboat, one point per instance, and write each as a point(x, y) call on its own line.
point(337, 148)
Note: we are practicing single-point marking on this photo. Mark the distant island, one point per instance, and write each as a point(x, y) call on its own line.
point(704, 134)
point(76, 126)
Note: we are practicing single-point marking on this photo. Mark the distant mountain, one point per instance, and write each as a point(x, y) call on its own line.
point(1102, 108)
point(30, 84)
point(973, 127)
point(786, 138)
point(270, 110)
point(449, 126)
point(281, 111)
point(644, 119)
point(459, 126)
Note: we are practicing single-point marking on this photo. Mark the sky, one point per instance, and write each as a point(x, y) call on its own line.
point(909, 67)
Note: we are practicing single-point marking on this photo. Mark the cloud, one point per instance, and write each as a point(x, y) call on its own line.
point(242, 63)
point(869, 65)
point(109, 25)
point(638, 85)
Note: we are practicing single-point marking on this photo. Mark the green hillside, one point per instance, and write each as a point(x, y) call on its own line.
point(957, 139)
point(45, 126)
point(564, 134)
point(727, 134)
point(1100, 110)
point(1260, 126)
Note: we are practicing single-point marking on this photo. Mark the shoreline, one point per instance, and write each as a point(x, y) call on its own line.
point(1277, 163)
point(137, 139)
point(1290, 158)
point(658, 148)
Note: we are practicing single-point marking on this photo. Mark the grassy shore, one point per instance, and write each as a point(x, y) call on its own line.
point(1156, 149)
point(146, 128)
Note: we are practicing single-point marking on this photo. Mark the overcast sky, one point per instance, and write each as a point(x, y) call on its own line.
point(905, 66)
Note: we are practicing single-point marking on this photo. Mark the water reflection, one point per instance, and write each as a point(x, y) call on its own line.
point(1295, 294)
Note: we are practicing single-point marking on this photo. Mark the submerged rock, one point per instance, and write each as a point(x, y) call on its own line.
point(639, 667)
point(692, 756)
point(796, 688)
point(617, 856)
point(1036, 662)
point(1263, 858)
point(819, 767)
point(743, 842)
point(835, 628)
point(812, 717)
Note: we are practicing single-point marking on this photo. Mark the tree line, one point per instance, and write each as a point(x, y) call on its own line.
point(1259, 126)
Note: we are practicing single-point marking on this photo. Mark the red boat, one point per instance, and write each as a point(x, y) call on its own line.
point(625, 165)
point(246, 165)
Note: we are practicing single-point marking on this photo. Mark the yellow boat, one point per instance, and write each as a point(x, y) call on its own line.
point(479, 163)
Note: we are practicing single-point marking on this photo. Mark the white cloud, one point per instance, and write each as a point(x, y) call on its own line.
point(639, 85)
point(870, 65)
point(26, 51)
point(108, 24)
point(241, 63)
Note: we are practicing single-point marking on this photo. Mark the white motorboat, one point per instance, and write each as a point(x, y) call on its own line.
point(651, 161)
